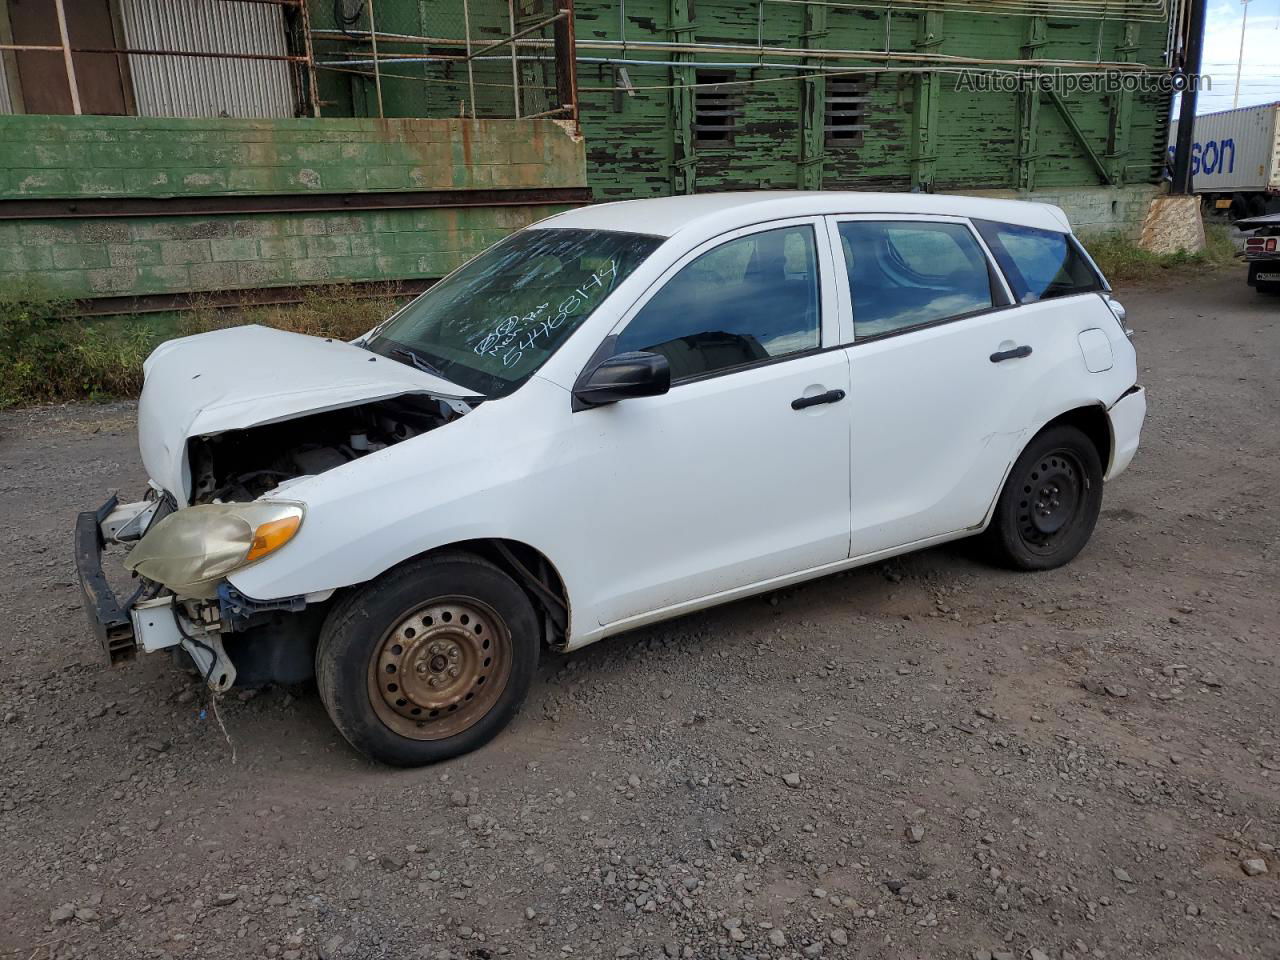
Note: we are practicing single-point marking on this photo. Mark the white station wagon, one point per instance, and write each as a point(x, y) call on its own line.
point(619, 415)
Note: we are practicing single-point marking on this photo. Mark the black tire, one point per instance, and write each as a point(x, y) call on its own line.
point(443, 627)
point(1060, 472)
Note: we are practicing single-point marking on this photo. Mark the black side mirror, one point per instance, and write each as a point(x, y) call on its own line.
point(621, 377)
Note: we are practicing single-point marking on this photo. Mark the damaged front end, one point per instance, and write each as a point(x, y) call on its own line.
point(228, 422)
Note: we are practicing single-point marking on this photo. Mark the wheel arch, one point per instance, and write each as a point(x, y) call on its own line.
point(529, 567)
point(1091, 420)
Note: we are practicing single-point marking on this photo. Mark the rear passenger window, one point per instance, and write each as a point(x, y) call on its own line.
point(750, 299)
point(1039, 263)
point(907, 274)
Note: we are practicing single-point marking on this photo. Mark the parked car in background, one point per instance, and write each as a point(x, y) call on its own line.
point(1262, 251)
point(619, 415)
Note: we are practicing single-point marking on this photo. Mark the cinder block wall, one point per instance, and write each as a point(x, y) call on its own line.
point(1092, 210)
point(121, 254)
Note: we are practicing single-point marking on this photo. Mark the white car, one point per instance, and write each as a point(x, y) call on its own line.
point(619, 415)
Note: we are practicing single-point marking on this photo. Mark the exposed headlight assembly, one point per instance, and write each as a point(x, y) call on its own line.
point(190, 550)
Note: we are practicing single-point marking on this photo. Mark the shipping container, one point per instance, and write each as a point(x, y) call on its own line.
point(1235, 157)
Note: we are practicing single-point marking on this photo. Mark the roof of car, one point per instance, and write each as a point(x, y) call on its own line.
point(667, 216)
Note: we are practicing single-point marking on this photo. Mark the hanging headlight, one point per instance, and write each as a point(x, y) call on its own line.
point(190, 550)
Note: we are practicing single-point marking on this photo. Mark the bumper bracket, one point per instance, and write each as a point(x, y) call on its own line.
point(108, 620)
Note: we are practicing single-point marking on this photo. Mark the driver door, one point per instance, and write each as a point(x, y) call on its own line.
point(739, 475)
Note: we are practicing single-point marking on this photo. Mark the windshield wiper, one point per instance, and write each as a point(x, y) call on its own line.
point(417, 361)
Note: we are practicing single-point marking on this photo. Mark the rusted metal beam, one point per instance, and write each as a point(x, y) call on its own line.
point(67, 58)
point(313, 88)
point(515, 65)
point(55, 209)
point(377, 74)
point(471, 75)
point(123, 51)
point(235, 299)
point(566, 63)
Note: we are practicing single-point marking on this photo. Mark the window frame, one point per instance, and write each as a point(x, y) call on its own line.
point(1001, 291)
point(828, 296)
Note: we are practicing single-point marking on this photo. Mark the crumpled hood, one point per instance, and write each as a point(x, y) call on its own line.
point(249, 376)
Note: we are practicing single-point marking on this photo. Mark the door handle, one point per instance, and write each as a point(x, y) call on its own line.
point(831, 396)
point(1017, 353)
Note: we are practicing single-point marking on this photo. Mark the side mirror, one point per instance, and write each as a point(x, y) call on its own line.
point(621, 377)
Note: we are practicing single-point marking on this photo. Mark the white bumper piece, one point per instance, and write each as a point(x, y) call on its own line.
point(1126, 416)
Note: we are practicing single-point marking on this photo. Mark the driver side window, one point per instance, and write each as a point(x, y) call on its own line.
point(748, 300)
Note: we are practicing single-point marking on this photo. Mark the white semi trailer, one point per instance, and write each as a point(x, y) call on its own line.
point(1235, 160)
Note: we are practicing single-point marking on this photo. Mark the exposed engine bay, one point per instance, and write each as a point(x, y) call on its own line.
point(242, 465)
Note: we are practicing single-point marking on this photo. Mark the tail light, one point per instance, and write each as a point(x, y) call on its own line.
point(1119, 312)
point(1261, 244)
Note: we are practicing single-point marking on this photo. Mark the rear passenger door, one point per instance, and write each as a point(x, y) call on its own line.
point(940, 364)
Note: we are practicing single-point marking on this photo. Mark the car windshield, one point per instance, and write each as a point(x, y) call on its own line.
point(489, 325)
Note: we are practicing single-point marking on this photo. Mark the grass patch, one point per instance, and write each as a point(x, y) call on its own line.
point(45, 357)
point(1122, 260)
point(341, 312)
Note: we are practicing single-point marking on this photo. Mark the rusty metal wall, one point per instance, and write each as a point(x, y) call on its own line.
point(207, 87)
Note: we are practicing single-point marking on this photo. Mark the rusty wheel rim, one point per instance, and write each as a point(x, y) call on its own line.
point(440, 668)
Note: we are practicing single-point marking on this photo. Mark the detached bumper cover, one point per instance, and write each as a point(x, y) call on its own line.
point(108, 619)
point(1126, 415)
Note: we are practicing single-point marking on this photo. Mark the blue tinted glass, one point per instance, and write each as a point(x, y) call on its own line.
point(1039, 263)
point(747, 300)
point(904, 274)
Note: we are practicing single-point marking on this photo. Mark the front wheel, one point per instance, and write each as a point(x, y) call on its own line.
point(428, 662)
point(1049, 504)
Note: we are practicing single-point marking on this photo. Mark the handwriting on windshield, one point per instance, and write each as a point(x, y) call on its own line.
point(514, 335)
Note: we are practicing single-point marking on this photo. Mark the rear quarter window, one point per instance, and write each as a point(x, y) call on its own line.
point(1040, 264)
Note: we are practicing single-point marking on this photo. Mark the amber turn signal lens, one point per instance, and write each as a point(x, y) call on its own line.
point(271, 536)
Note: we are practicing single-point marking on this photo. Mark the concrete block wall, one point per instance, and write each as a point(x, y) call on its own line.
point(141, 256)
point(46, 158)
point(1092, 210)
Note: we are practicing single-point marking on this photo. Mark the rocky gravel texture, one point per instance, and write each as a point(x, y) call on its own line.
point(925, 758)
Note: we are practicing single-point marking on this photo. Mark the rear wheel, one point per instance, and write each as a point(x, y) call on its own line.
point(429, 661)
point(1050, 503)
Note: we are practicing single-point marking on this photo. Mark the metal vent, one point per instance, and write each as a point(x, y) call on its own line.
point(846, 110)
point(716, 109)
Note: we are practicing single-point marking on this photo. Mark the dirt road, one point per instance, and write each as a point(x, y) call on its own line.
point(1064, 765)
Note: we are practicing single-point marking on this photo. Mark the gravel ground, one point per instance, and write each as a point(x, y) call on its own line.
point(925, 758)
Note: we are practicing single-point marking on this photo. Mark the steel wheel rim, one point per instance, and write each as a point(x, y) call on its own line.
point(1051, 500)
point(440, 668)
